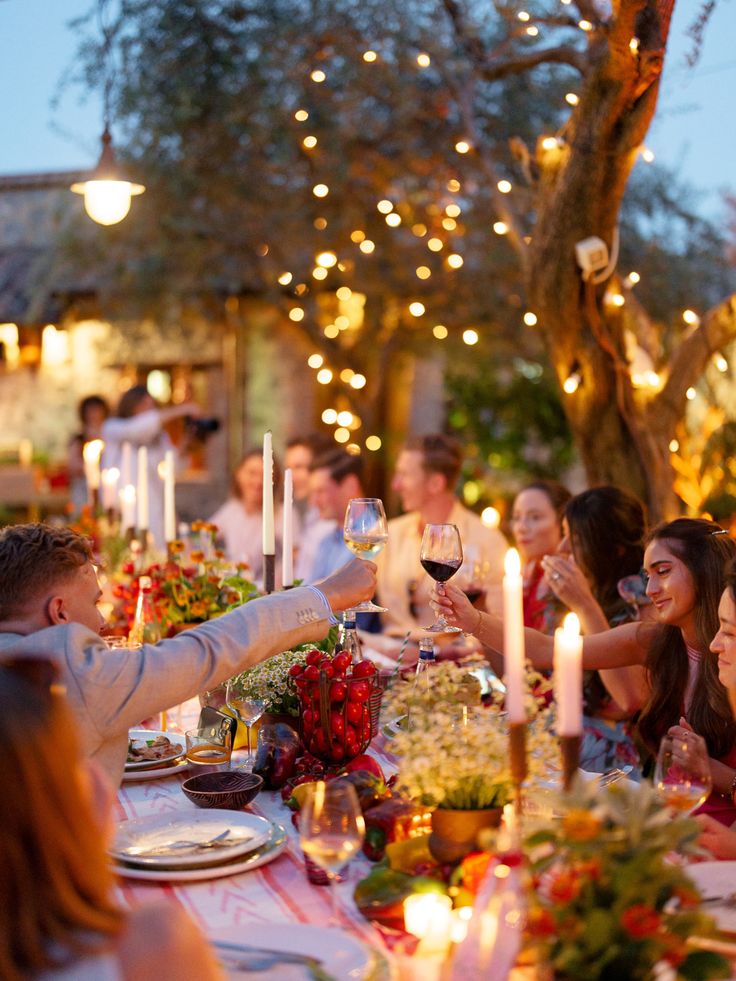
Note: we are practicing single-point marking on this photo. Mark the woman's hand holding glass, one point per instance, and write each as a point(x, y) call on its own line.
point(682, 774)
point(455, 607)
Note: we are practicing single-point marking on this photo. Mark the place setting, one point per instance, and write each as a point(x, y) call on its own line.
point(153, 754)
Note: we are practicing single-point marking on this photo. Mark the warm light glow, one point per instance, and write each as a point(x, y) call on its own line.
point(449, 224)
point(532, 31)
point(571, 626)
point(342, 435)
point(318, 75)
point(329, 416)
point(309, 142)
point(9, 340)
point(500, 227)
point(550, 143)
point(331, 331)
point(512, 564)
point(320, 190)
point(367, 246)
point(344, 418)
point(571, 383)
point(462, 146)
point(690, 317)
point(424, 61)
point(454, 261)
point(470, 337)
point(296, 314)
point(423, 272)
point(572, 98)
point(358, 380)
point(440, 331)
point(319, 273)
point(373, 443)
point(435, 244)
point(646, 379)
point(342, 322)
point(301, 115)
point(690, 394)
point(530, 319)
point(674, 445)
point(315, 360)
point(647, 155)
point(416, 309)
point(721, 363)
point(426, 914)
point(453, 185)
point(385, 206)
point(345, 375)
point(324, 376)
point(343, 293)
point(369, 56)
point(617, 299)
point(491, 517)
point(585, 25)
point(633, 278)
point(524, 15)
point(326, 259)
point(504, 187)
point(452, 210)
point(285, 278)
point(393, 219)
point(320, 224)
point(634, 45)
point(107, 202)
point(54, 347)
point(419, 229)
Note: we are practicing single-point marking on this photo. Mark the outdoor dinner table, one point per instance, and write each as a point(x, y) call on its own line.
point(247, 906)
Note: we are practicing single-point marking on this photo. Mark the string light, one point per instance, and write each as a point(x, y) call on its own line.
point(550, 143)
point(329, 416)
point(690, 394)
point(369, 56)
point(647, 155)
point(301, 115)
point(358, 380)
point(424, 61)
point(416, 309)
point(285, 278)
point(357, 236)
point(344, 418)
point(491, 517)
point(454, 261)
point(690, 317)
point(319, 272)
point(462, 146)
point(345, 375)
point(632, 279)
point(453, 210)
point(572, 382)
point(393, 219)
point(296, 314)
point(674, 446)
point(440, 331)
point(500, 227)
point(326, 259)
point(385, 206)
point(423, 272)
point(318, 75)
point(532, 31)
point(530, 319)
point(342, 322)
point(320, 190)
point(331, 331)
point(315, 360)
point(343, 293)
point(615, 299)
point(309, 142)
point(342, 435)
point(470, 337)
point(721, 363)
point(449, 224)
point(585, 25)
point(373, 443)
point(571, 98)
point(419, 230)
point(504, 187)
point(523, 15)
point(367, 246)
point(634, 45)
point(453, 185)
point(435, 245)
point(320, 224)
point(324, 376)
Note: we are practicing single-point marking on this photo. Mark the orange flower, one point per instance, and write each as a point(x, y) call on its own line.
point(540, 922)
point(581, 825)
point(589, 868)
point(640, 921)
point(564, 887)
point(197, 556)
point(176, 547)
point(198, 525)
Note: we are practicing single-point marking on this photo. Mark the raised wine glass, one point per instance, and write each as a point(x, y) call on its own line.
point(682, 774)
point(331, 829)
point(248, 710)
point(441, 556)
point(366, 532)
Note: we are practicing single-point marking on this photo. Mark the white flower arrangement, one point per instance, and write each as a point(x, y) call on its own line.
point(269, 681)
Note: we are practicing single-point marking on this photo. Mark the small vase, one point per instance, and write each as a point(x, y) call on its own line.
point(455, 833)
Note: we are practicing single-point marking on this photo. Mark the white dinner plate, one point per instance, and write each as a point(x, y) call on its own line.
point(270, 850)
point(135, 840)
point(343, 958)
point(716, 879)
point(156, 772)
point(177, 738)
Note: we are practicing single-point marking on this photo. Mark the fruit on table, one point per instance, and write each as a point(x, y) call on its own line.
point(278, 748)
point(370, 789)
point(380, 896)
point(393, 819)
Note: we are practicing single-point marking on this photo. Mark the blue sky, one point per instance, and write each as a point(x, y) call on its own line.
point(694, 131)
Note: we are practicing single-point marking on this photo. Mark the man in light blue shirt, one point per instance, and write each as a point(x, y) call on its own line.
point(335, 478)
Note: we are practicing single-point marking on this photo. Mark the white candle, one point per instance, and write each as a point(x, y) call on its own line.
point(127, 507)
point(169, 496)
point(287, 557)
point(269, 536)
point(142, 491)
point(568, 677)
point(513, 636)
point(428, 914)
point(110, 478)
point(91, 453)
point(126, 466)
point(25, 452)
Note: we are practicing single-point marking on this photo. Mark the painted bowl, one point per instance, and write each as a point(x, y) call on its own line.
point(228, 789)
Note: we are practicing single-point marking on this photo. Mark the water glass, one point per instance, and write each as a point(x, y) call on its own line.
point(208, 749)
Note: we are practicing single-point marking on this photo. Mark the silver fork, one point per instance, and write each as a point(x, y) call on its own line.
point(728, 900)
point(175, 846)
point(243, 957)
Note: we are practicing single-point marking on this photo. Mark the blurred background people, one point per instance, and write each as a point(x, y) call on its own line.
point(309, 525)
point(335, 478)
point(92, 411)
point(240, 518)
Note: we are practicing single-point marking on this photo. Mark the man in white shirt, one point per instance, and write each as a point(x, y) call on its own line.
point(425, 478)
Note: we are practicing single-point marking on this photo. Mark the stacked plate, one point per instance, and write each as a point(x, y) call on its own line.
point(164, 765)
point(188, 845)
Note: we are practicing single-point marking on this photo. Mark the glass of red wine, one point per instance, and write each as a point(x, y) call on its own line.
point(441, 556)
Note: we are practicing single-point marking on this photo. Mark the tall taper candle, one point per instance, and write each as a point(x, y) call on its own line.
point(513, 636)
point(142, 491)
point(126, 465)
point(568, 677)
point(109, 483)
point(127, 508)
point(169, 500)
point(91, 453)
point(287, 557)
point(269, 536)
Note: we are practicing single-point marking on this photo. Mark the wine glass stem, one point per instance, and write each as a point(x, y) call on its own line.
point(247, 730)
point(332, 881)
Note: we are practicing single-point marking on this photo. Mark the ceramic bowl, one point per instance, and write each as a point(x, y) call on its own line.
point(229, 789)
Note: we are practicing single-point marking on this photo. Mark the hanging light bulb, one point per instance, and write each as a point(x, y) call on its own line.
point(106, 193)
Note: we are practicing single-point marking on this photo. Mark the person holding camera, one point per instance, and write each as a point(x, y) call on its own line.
point(140, 422)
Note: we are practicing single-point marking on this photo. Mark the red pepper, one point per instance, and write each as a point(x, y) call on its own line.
point(391, 820)
point(364, 762)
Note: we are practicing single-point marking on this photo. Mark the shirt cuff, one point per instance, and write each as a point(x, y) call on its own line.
point(323, 599)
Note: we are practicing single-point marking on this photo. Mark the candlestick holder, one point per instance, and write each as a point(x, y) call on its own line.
point(517, 748)
point(570, 751)
point(269, 573)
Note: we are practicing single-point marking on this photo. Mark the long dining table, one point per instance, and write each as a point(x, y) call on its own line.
point(248, 904)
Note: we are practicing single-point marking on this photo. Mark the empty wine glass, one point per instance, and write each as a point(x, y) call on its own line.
point(366, 532)
point(248, 710)
point(682, 774)
point(331, 829)
point(441, 556)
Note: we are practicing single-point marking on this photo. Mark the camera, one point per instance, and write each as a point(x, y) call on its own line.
point(201, 428)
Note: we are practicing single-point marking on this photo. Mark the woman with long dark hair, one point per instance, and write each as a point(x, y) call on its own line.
point(685, 562)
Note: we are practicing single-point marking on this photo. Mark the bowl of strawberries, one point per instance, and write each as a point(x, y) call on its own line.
point(339, 704)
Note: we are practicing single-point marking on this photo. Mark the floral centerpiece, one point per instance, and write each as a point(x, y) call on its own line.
point(606, 904)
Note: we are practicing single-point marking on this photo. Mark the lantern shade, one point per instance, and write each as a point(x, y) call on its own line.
point(107, 194)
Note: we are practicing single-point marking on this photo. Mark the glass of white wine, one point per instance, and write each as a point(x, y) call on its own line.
point(366, 532)
point(331, 829)
point(682, 774)
point(248, 710)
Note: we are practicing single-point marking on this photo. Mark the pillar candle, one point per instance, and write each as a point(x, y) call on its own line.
point(127, 507)
point(91, 453)
point(169, 498)
point(126, 468)
point(513, 636)
point(25, 452)
point(109, 481)
point(568, 677)
point(287, 559)
point(269, 537)
point(142, 490)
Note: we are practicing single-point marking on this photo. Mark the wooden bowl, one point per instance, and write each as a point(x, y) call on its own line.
point(229, 789)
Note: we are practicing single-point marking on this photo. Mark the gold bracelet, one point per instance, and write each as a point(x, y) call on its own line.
point(476, 629)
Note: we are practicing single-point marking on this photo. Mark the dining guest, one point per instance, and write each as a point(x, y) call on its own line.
point(59, 916)
point(309, 525)
point(685, 562)
point(536, 524)
point(335, 477)
point(426, 476)
point(48, 607)
point(240, 518)
point(92, 412)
